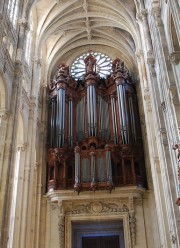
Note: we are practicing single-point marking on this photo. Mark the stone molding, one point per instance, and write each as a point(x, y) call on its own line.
point(104, 208)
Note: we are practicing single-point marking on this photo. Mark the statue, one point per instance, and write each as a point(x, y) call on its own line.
point(90, 63)
point(63, 73)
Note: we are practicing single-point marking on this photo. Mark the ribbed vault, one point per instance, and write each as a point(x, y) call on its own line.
point(66, 29)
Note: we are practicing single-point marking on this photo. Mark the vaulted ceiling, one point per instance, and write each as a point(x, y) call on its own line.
point(68, 28)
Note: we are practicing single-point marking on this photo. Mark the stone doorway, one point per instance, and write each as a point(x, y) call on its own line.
point(98, 234)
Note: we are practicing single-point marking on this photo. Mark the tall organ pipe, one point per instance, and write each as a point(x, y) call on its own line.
point(70, 126)
point(94, 110)
point(53, 114)
point(123, 113)
point(132, 119)
point(91, 110)
point(93, 167)
point(89, 115)
point(115, 134)
point(71, 123)
point(63, 120)
point(91, 100)
point(77, 164)
point(60, 117)
point(108, 164)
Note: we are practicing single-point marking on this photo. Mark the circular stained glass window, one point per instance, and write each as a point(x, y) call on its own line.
point(103, 65)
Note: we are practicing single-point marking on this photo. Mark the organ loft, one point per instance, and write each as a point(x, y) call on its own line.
point(94, 140)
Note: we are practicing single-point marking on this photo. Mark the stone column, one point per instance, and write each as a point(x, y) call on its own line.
point(142, 20)
point(9, 158)
point(4, 117)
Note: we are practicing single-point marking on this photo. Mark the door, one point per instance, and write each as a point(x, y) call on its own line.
point(101, 242)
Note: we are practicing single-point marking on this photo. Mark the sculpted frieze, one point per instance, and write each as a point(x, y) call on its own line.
point(97, 207)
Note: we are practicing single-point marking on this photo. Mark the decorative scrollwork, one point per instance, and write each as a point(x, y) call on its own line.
point(61, 231)
point(132, 224)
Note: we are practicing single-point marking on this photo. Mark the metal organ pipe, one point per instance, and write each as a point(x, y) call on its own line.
point(93, 167)
point(94, 110)
point(71, 123)
point(53, 116)
point(108, 164)
point(63, 120)
point(131, 109)
point(89, 116)
point(70, 126)
point(60, 117)
point(114, 120)
point(91, 111)
point(91, 100)
point(77, 164)
point(123, 118)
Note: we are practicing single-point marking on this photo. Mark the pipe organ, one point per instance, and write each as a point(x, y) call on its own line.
point(94, 138)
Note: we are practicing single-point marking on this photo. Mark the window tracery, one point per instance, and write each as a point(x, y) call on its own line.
point(103, 65)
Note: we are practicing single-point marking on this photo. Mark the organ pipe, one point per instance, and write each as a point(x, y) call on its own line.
point(108, 164)
point(123, 119)
point(115, 132)
point(132, 118)
point(77, 164)
point(70, 126)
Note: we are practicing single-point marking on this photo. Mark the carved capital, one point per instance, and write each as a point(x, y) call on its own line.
point(23, 23)
point(138, 55)
point(163, 135)
point(142, 15)
point(174, 57)
point(163, 106)
point(150, 58)
point(37, 61)
point(4, 115)
point(22, 147)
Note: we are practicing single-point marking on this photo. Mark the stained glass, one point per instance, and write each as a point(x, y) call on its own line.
point(103, 65)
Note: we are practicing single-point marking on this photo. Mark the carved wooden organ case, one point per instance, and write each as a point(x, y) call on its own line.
point(94, 137)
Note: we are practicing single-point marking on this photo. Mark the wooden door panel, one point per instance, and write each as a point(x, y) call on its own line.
point(101, 242)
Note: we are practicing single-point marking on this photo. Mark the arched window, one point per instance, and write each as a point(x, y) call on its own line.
point(13, 7)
